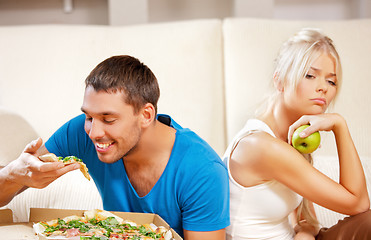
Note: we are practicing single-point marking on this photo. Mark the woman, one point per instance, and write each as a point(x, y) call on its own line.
point(269, 179)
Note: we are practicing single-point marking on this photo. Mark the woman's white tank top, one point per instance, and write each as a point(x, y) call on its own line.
point(261, 211)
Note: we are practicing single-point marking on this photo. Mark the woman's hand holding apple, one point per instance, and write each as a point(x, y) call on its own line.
point(315, 123)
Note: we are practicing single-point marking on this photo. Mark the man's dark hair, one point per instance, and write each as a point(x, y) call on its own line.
point(127, 74)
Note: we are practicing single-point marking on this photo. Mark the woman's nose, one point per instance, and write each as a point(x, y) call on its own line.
point(322, 85)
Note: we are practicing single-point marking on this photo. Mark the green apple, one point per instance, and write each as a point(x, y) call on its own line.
point(308, 144)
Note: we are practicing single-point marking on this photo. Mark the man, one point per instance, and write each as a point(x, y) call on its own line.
point(141, 161)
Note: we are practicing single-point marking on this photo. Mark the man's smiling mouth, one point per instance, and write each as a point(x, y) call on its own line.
point(103, 146)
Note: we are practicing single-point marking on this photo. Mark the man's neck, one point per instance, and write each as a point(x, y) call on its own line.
point(156, 143)
point(147, 163)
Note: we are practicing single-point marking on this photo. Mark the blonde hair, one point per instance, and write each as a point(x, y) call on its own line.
point(293, 62)
point(304, 211)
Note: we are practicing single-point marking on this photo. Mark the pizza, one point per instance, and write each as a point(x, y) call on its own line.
point(100, 225)
point(51, 157)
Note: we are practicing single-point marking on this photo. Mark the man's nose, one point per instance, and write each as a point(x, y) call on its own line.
point(96, 130)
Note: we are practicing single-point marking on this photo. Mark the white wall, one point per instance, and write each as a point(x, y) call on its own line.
point(126, 12)
point(163, 10)
point(316, 9)
point(16, 12)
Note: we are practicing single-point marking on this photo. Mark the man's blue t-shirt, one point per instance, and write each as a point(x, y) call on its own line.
point(192, 192)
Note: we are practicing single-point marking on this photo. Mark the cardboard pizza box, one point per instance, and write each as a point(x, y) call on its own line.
point(17, 231)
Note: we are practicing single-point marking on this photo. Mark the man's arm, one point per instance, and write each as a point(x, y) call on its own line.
point(8, 190)
point(212, 235)
point(28, 171)
point(206, 212)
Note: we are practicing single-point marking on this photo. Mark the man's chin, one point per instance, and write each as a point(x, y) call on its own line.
point(108, 159)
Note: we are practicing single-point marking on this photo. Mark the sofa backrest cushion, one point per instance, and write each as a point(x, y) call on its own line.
point(15, 134)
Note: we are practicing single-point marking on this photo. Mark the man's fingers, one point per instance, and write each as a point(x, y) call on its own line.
point(67, 169)
point(50, 166)
point(58, 167)
point(48, 173)
point(33, 146)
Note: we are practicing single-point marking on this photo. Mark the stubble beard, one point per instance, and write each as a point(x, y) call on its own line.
point(134, 148)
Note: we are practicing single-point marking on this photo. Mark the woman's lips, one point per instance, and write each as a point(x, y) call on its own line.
point(319, 101)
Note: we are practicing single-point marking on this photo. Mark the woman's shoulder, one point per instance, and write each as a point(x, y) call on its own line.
point(258, 141)
point(255, 124)
point(249, 158)
point(259, 149)
point(261, 156)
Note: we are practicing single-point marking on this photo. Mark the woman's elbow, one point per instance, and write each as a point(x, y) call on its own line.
point(363, 205)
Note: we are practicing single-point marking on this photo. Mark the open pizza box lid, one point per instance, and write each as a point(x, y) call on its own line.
point(13, 231)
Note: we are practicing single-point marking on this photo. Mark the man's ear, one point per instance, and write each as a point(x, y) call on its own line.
point(277, 82)
point(148, 114)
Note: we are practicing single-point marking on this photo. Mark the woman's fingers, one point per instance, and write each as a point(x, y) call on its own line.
point(320, 122)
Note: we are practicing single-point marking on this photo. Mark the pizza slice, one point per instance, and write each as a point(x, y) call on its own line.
point(51, 157)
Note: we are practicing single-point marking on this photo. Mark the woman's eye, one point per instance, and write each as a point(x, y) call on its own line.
point(309, 76)
point(331, 82)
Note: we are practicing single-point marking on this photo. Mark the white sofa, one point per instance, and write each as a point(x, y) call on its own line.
point(212, 74)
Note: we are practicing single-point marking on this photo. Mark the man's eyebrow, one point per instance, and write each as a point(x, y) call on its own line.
point(101, 113)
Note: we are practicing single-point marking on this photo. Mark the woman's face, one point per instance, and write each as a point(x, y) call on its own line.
point(317, 89)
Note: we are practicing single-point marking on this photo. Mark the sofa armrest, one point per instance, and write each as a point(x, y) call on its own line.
point(16, 133)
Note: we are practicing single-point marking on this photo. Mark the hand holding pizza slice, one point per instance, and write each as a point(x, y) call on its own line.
point(51, 157)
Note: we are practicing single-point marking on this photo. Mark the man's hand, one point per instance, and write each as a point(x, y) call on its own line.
point(29, 171)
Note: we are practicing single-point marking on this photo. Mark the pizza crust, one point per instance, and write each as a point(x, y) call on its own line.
point(51, 157)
